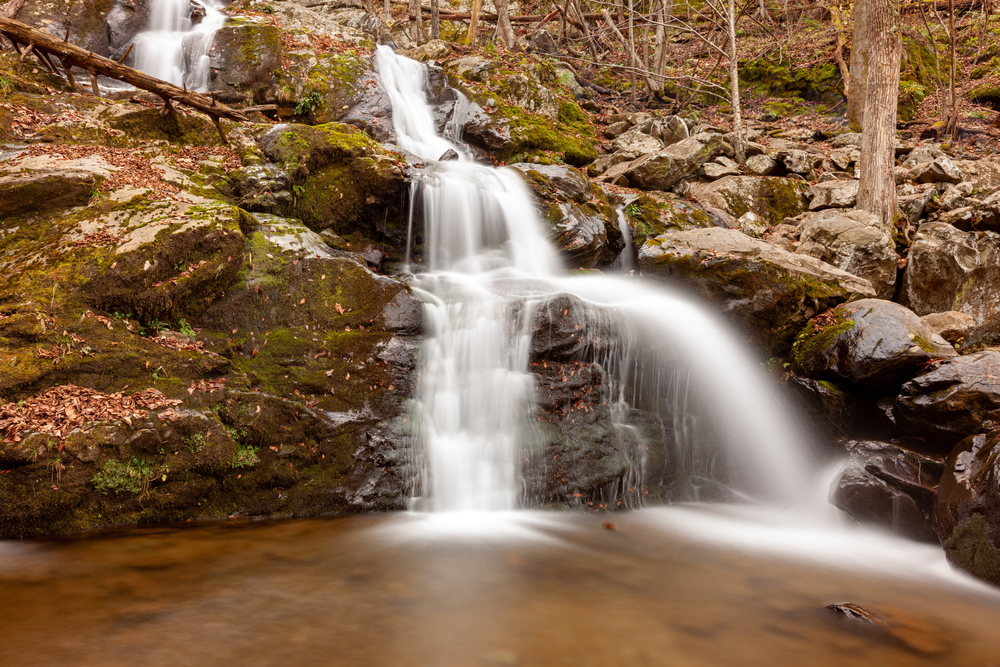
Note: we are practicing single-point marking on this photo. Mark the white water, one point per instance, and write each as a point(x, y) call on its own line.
point(487, 259)
point(175, 49)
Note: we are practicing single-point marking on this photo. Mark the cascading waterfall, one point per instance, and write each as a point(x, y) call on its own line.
point(488, 265)
point(175, 46)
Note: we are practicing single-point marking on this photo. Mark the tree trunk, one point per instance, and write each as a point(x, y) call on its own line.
point(435, 19)
point(631, 50)
point(504, 30)
point(859, 63)
point(877, 190)
point(477, 6)
point(734, 85)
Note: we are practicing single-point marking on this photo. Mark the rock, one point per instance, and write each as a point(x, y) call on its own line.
point(263, 187)
point(669, 130)
point(542, 41)
point(987, 212)
point(852, 241)
point(922, 155)
point(615, 129)
point(566, 328)
point(941, 170)
point(714, 170)
point(967, 509)
point(949, 269)
point(752, 224)
point(82, 22)
point(345, 181)
point(761, 165)
point(843, 158)
point(847, 139)
point(526, 94)
point(474, 68)
point(914, 203)
point(889, 486)
point(871, 343)
point(448, 155)
point(125, 21)
point(584, 226)
point(953, 326)
point(831, 408)
point(663, 169)
point(244, 56)
point(648, 217)
point(832, 194)
point(958, 196)
point(42, 184)
point(959, 398)
point(796, 161)
point(174, 266)
point(435, 49)
point(635, 143)
point(773, 199)
point(769, 292)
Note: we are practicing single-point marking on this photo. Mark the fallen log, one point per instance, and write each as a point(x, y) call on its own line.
point(44, 46)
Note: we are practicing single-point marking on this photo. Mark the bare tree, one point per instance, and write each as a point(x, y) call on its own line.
point(877, 190)
point(859, 64)
point(504, 29)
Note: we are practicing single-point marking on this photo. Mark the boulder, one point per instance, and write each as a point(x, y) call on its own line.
point(953, 326)
point(648, 217)
point(889, 486)
point(959, 398)
point(769, 292)
point(566, 328)
point(722, 166)
point(636, 142)
point(773, 199)
point(913, 201)
point(832, 408)
point(797, 161)
point(42, 183)
point(847, 139)
point(941, 170)
point(987, 212)
point(948, 269)
point(583, 224)
point(852, 241)
point(967, 509)
point(244, 56)
point(832, 194)
point(872, 343)
point(82, 22)
point(752, 224)
point(663, 169)
point(761, 165)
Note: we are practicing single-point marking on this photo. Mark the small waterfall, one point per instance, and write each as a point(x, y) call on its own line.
point(487, 263)
point(176, 44)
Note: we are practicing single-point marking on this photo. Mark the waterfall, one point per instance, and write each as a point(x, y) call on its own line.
point(488, 263)
point(175, 46)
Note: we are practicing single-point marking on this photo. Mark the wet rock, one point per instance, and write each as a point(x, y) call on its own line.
point(832, 408)
point(832, 194)
point(124, 21)
point(82, 23)
point(953, 326)
point(852, 241)
point(773, 199)
point(448, 155)
point(889, 486)
point(958, 398)
point(948, 269)
point(663, 169)
point(584, 226)
point(769, 292)
point(871, 343)
point(967, 510)
point(566, 328)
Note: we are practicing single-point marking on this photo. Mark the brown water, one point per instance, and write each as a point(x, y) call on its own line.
point(540, 589)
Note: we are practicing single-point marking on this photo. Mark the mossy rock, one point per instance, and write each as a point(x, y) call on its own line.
point(341, 178)
point(178, 128)
point(773, 199)
point(245, 54)
point(986, 94)
point(764, 77)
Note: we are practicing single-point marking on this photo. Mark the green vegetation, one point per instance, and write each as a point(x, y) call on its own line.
point(118, 477)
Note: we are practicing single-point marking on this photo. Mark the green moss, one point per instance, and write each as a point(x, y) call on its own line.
point(815, 339)
point(131, 477)
point(971, 549)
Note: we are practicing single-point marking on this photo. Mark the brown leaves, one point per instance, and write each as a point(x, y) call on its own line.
point(207, 385)
point(59, 410)
point(339, 308)
point(132, 170)
point(97, 240)
point(186, 273)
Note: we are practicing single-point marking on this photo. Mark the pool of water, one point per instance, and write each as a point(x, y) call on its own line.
point(675, 586)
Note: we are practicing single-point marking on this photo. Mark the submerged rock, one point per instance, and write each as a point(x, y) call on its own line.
point(769, 292)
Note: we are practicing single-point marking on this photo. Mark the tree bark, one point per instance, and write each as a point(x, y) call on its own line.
point(859, 63)
point(504, 29)
point(477, 6)
point(734, 84)
point(435, 19)
point(877, 189)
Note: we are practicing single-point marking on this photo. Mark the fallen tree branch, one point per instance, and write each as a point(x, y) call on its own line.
point(44, 46)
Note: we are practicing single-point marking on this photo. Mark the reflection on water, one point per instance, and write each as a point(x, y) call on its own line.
point(657, 587)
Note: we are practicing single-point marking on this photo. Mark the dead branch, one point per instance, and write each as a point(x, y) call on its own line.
point(44, 46)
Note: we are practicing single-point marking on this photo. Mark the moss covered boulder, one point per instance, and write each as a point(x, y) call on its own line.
point(654, 214)
point(871, 343)
point(341, 179)
point(770, 293)
point(42, 183)
point(773, 199)
point(245, 54)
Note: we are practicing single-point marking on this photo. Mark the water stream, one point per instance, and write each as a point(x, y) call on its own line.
point(487, 264)
point(175, 46)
